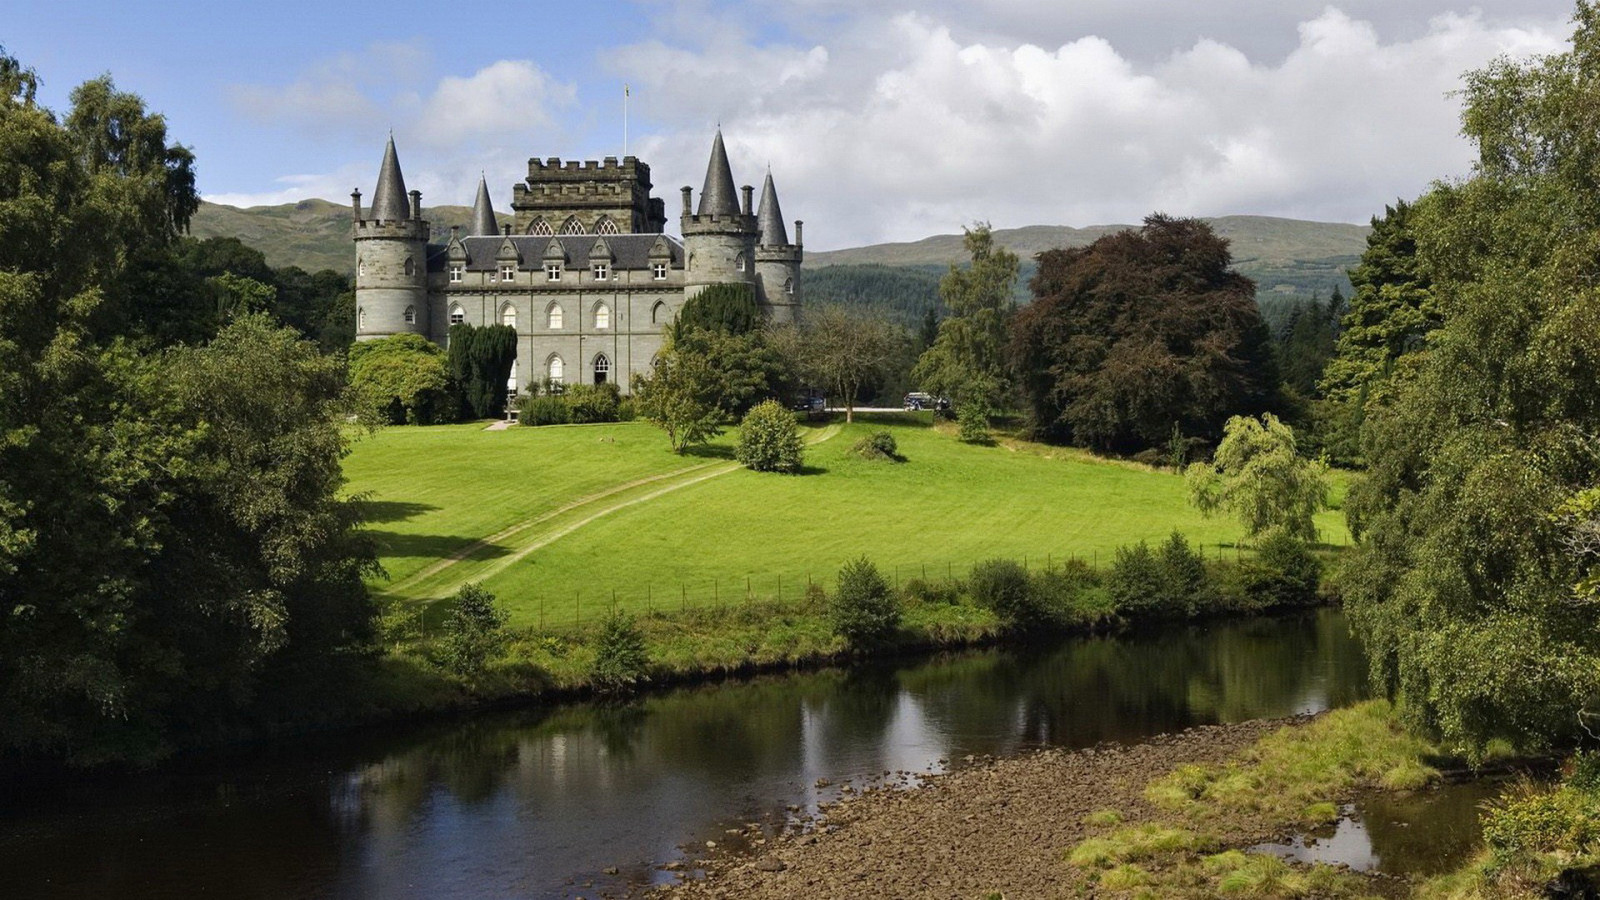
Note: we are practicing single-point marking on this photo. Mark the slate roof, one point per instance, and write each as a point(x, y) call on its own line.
point(631, 251)
point(389, 200)
point(483, 212)
point(770, 216)
point(718, 197)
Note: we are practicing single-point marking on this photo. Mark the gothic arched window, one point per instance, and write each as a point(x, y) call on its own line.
point(572, 226)
point(788, 285)
point(605, 226)
point(658, 313)
point(361, 319)
point(556, 369)
point(555, 316)
point(539, 228)
point(458, 316)
point(602, 316)
point(602, 368)
point(411, 267)
point(411, 315)
point(508, 315)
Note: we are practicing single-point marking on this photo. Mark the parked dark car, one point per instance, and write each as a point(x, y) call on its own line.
point(919, 400)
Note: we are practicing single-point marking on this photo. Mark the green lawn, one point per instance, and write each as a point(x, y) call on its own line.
point(704, 528)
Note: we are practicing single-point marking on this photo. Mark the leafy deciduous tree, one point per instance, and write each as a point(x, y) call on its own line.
point(1259, 475)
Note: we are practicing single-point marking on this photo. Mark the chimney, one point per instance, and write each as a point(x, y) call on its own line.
point(687, 190)
point(355, 204)
point(799, 233)
point(749, 207)
point(416, 205)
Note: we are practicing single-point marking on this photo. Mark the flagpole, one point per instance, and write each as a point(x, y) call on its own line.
point(625, 121)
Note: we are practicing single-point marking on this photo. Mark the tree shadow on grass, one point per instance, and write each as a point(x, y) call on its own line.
point(432, 546)
point(907, 419)
point(391, 510)
point(710, 451)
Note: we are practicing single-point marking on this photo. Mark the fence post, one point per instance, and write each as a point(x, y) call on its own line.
point(897, 576)
point(683, 597)
point(541, 612)
point(780, 588)
point(747, 590)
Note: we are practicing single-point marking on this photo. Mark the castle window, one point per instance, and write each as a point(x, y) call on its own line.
point(556, 369)
point(411, 315)
point(602, 316)
point(605, 226)
point(572, 226)
point(458, 316)
point(602, 368)
point(658, 313)
point(361, 268)
point(361, 319)
point(552, 271)
point(455, 273)
point(508, 271)
point(602, 272)
point(411, 267)
point(658, 271)
point(788, 285)
point(508, 315)
point(540, 228)
point(555, 316)
point(738, 262)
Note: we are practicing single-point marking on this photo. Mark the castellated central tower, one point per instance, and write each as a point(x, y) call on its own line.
point(391, 257)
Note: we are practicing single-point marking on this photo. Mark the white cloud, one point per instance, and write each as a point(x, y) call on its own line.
point(899, 129)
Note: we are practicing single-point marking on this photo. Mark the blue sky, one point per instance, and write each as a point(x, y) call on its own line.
point(881, 120)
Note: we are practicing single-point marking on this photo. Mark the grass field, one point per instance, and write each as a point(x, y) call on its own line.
point(559, 521)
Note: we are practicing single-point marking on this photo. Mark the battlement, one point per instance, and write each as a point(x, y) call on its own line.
point(730, 224)
point(788, 253)
point(400, 229)
point(553, 169)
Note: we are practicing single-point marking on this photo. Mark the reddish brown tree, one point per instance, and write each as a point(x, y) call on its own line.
point(1139, 332)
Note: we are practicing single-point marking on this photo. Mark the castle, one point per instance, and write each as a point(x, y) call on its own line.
point(584, 274)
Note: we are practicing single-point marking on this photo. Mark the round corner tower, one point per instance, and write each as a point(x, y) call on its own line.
point(391, 258)
point(777, 261)
point(719, 237)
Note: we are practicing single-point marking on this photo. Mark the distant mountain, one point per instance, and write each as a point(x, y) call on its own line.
point(1286, 257)
point(311, 234)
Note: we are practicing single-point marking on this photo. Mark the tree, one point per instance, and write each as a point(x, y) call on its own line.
point(1139, 330)
point(863, 610)
point(679, 396)
point(844, 350)
point(1259, 476)
point(401, 380)
point(479, 362)
point(967, 361)
point(474, 631)
point(769, 440)
point(1470, 587)
point(727, 308)
point(1391, 312)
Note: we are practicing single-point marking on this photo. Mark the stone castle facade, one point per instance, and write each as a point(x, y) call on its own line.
point(584, 272)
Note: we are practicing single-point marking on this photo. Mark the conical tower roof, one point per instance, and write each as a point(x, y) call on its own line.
point(770, 216)
point(389, 201)
point(718, 197)
point(483, 212)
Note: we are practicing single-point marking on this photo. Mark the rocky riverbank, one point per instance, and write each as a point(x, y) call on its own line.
point(996, 827)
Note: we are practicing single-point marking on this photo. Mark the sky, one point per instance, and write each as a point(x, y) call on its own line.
point(880, 121)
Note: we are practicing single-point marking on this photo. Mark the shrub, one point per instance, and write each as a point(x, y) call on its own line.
point(401, 380)
point(544, 409)
point(1186, 586)
point(474, 631)
point(878, 445)
point(1284, 572)
point(769, 439)
point(593, 402)
point(1564, 820)
point(924, 591)
point(864, 611)
point(627, 410)
point(1072, 592)
point(1003, 585)
point(1135, 581)
point(972, 423)
point(620, 659)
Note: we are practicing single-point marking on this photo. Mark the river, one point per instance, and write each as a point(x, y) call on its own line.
point(542, 803)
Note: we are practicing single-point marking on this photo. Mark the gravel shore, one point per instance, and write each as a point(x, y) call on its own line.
point(995, 826)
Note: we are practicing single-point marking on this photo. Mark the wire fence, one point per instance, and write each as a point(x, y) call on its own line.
point(796, 591)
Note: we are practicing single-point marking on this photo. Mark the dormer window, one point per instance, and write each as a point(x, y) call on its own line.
point(456, 270)
point(508, 271)
point(658, 271)
point(552, 271)
point(602, 271)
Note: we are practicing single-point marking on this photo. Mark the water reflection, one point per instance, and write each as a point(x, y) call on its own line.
point(540, 803)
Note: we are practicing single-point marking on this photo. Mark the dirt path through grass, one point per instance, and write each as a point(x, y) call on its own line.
point(508, 546)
